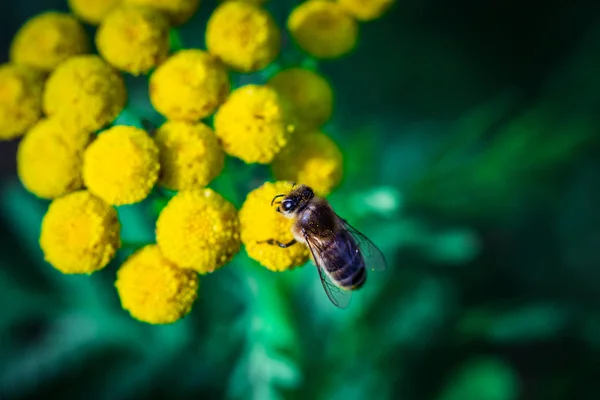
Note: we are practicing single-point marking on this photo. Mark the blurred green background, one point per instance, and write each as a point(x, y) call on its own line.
point(470, 131)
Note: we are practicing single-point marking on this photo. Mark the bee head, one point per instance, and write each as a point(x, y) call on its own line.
point(295, 201)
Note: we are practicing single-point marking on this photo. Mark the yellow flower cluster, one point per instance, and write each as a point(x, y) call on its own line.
point(259, 222)
point(65, 102)
point(134, 39)
point(329, 29)
point(80, 233)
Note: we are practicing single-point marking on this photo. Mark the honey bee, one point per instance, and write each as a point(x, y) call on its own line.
point(341, 253)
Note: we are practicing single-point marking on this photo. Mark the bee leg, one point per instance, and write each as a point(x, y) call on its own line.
point(276, 243)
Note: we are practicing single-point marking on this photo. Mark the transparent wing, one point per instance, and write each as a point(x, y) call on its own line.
point(374, 258)
point(339, 297)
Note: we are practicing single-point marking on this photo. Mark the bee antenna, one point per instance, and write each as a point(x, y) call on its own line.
point(276, 197)
point(293, 184)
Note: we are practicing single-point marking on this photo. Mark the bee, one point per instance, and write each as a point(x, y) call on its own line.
point(341, 253)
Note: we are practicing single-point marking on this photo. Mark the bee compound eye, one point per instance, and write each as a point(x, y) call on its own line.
point(287, 205)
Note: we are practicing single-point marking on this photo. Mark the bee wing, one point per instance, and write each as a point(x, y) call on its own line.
point(374, 258)
point(339, 297)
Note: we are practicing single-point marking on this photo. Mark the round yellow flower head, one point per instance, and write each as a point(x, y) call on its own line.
point(80, 233)
point(309, 94)
point(199, 230)
point(20, 99)
point(189, 85)
point(85, 92)
point(254, 124)
point(92, 11)
point(190, 155)
point(243, 35)
point(48, 39)
point(259, 222)
point(121, 165)
point(312, 159)
point(323, 29)
point(366, 10)
point(49, 159)
point(153, 289)
point(179, 11)
point(134, 39)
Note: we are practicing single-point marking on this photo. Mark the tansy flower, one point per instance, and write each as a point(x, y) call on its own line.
point(254, 124)
point(85, 92)
point(243, 35)
point(313, 159)
point(153, 289)
point(323, 29)
point(49, 159)
point(48, 39)
point(198, 229)
point(179, 11)
point(309, 94)
point(134, 39)
point(259, 222)
point(190, 155)
point(121, 165)
point(366, 10)
point(189, 85)
point(20, 99)
point(92, 11)
point(80, 233)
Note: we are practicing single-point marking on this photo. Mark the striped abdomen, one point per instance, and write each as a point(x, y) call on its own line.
point(343, 262)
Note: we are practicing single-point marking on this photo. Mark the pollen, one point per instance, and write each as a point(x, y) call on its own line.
point(20, 99)
point(49, 159)
point(134, 39)
point(254, 124)
point(312, 159)
point(121, 166)
point(80, 233)
point(310, 96)
point(260, 222)
point(199, 230)
point(323, 29)
point(366, 10)
point(189, 86)
point(85, 92)
point(243, 35)
point(178, 11)
point(190, 155)
point(153, 289)
point(92, 11)
point(47, 40)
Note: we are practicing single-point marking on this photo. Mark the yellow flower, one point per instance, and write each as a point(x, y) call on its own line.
point(121, 165)
point(179, 11)
point(259, 222)
point(323, 29)
point(80, 233)
point(189, 85)
point(312, 159)
point(254, 124)
point(134, 39)
point(48, 39)
point(85, 92)
point(190, 155)
point(20, 99)
point(366, 10)
point(198, 229)
point(243, 35)
point(49, 159)
point(153, 289)
point(92, 11)
point(309, 94)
